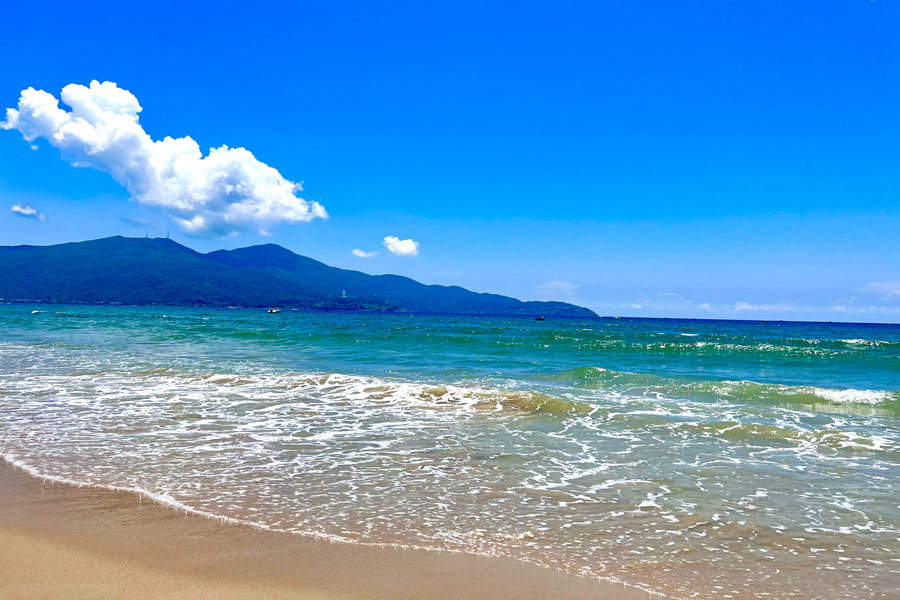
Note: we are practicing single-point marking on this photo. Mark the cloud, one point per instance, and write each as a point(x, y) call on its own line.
point(226, 191)
point(886, 290)
point(556, 289)
point(26, 211)
point(705, 306)
point(748, 307)
point(563, 286)
point(363, 254)
point(141, 223)
point(401, 247)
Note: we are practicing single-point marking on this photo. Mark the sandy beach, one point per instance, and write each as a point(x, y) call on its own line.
point(61, 541)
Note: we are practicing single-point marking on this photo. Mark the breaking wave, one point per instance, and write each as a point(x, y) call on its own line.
point(743, 391)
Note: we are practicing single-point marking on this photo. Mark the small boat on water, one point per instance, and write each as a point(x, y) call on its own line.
point(274, 310)
point(539, 318)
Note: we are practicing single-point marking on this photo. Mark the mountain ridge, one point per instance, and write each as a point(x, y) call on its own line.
point(161, 271)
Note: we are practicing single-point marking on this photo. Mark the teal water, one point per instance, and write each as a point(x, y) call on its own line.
point(693, 458)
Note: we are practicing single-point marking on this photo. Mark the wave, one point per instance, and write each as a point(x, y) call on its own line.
point(838, 342)
point(866, 342)
point(384, 391)
point(776, 436)
point(741, 391)
point(570, 400)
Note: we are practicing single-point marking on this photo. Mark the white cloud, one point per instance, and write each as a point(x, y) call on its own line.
point(25, 210)
point(363, 254)
point(748, 307)
point(401, 247)
point(705, 306)
point(141, 223)
point(563, 286)
point(866, 310)
point(886, 290)
point(228, 190)
point(556, 290)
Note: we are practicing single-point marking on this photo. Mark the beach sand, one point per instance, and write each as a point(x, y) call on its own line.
point(62, 541)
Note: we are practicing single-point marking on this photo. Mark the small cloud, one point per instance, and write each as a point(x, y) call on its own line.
point(748, 307)
point(141, 223)
point(886, 290)
point(705, 306)
point(866, 310)
point(562, 286)
point(363, 254)
point(27, 211)
point(401, 247)
point(34, 146)
point(556, 290)
point(634, 305)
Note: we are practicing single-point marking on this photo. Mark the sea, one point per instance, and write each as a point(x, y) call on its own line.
point(689, 458)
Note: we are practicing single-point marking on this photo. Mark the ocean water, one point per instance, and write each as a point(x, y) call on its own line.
point(692, 458)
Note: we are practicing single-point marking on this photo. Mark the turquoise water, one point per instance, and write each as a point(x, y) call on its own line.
point(693, 458)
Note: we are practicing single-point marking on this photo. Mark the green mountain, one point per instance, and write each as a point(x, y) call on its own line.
point(161, 271)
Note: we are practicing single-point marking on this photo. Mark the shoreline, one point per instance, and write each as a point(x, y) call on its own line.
point(61, 540)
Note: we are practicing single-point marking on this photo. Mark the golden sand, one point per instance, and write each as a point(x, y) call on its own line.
point(60, 541)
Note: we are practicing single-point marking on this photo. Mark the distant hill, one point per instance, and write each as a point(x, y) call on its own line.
point(161, 271)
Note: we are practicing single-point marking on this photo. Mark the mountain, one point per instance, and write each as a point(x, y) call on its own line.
point(161, 271)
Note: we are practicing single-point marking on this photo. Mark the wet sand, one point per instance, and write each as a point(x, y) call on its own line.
point(62, 541)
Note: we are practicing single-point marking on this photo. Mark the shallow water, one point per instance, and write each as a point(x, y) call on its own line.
point(694, 458)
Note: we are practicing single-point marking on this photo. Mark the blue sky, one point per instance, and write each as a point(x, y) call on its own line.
point(709, 159)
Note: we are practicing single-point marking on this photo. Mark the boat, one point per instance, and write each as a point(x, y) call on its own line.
point(274, 310)
point(539, 318)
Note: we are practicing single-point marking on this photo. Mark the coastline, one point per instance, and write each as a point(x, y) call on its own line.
point(59, 540)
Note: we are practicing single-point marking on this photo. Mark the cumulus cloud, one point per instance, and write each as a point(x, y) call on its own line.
point(27, 211)
point(224, 192)
point(401, 247)
point(705, 306)
point(886, 290)
point(363, 254)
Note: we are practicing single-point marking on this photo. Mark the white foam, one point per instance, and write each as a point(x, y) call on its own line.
point(865, 342)
point(852, 396)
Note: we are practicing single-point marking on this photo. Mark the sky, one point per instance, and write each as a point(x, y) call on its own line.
point(689, 159)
